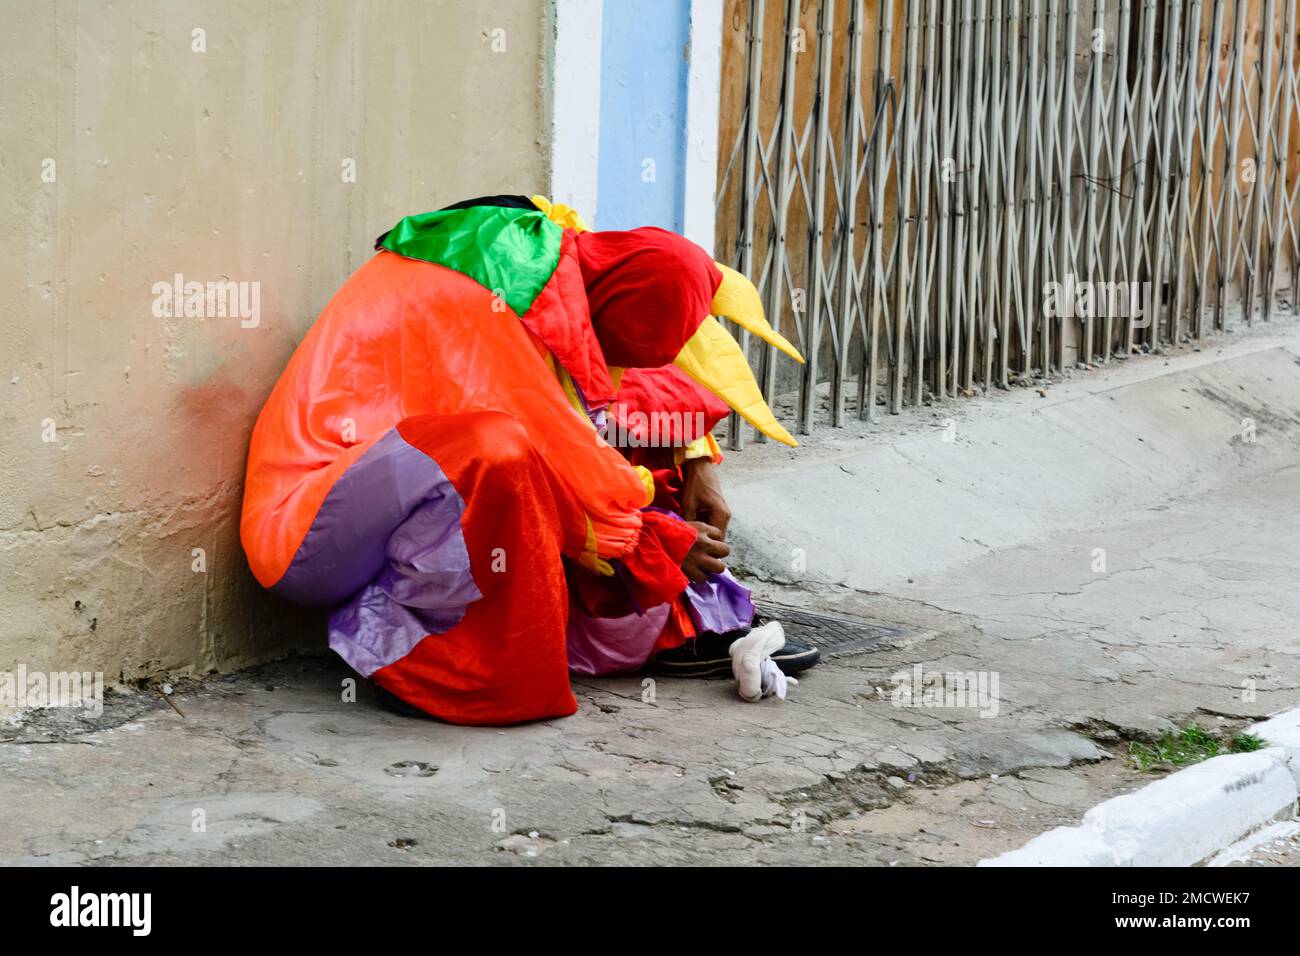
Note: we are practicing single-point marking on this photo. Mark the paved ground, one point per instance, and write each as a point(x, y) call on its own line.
point(1192, 617)
point(1198, 599)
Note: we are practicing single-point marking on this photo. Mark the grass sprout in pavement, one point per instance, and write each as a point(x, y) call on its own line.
point(1188, 746)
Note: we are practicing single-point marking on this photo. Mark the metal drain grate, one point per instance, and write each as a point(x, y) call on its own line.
point(830, 632)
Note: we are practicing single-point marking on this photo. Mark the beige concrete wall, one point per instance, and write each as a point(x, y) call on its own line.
point(123, 435)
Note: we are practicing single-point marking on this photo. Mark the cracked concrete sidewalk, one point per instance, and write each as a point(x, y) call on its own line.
point(285, 772)
point(1193, 620)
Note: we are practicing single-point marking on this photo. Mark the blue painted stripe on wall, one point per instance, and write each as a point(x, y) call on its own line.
point(644, 58)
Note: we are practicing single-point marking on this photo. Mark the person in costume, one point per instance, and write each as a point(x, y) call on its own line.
point(433, 467)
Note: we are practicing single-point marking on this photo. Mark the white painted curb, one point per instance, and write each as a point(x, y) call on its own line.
point(1282, 731)
point(1184, 818)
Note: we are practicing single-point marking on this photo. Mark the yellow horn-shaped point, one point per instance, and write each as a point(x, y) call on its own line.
point(738, 300)
point(565, 216)
point(712, 357)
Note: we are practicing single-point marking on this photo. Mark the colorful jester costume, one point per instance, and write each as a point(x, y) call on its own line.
point(431, 464)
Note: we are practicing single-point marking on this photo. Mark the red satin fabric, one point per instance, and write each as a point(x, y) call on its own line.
point(506, 662)
point(648, 290)
point(671, 395)
point(559, 318)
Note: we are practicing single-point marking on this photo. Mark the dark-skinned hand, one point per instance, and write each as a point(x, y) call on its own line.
point(706, 554)
point(702, 498)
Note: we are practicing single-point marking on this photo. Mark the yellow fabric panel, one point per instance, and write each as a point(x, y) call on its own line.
point(648, 480)
point(738, 300)
point(558, 212)
point(712, 357)
point(700, 448)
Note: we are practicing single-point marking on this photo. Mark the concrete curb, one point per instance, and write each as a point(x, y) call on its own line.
point(1282, 731)
point(1186, 817)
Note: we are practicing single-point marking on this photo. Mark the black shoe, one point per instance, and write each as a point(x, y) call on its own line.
point(706, 655)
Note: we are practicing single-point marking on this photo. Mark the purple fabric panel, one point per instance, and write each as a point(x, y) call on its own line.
point(424, 588)
point(386, 547)
point(720, 604)
point(428, 566)
point(372, 630)
point(347, 544)
point(612, 645)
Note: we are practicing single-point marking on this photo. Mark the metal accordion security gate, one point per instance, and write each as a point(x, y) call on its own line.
point(937, 197)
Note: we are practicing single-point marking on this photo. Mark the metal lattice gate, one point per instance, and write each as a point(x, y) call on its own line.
point(941, 196)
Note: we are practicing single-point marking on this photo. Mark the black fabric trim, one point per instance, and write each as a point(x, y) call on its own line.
point(510, 202)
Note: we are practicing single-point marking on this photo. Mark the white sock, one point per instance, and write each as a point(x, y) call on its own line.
point(774, 679)
point(757, 675)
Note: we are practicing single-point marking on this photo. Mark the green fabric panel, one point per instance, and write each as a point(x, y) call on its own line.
point(513, 250)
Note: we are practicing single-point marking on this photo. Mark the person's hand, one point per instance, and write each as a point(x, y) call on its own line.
point(706, 554)
point(702, 498)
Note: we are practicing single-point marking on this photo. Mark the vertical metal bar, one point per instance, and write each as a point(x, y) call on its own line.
point(848, 207)
point(927, 115)
point(1261, 159)
point(1030, 221)
point(993, 193)
point(1293, 193)
point(1173, 23)
point(1141, 154)
point(884, 46)
point(1092, 173)
point(748, 199)
point(977, 191)
point(1010, 299)
point(961, 241)
point(1284, 206)
point(816, 272)
point(947, 191)
point(1051, 180)
point(1209, 168)
point(1065, 235)
point(1181, 246)
point(1280, 155)
point(1231, 196)
point(904, 197)
point(781, 217)
point(1115, 270)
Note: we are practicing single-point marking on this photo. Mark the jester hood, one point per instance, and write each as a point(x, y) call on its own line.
point(495, 327)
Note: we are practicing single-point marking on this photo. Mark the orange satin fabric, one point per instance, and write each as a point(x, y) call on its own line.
point(405, 338)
